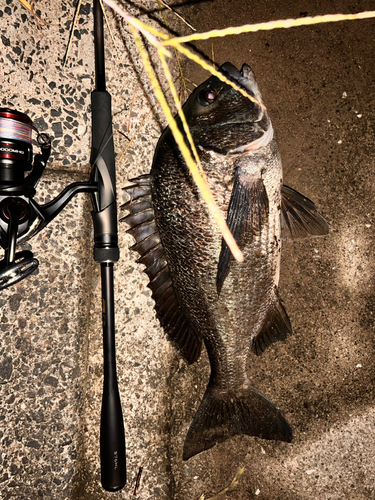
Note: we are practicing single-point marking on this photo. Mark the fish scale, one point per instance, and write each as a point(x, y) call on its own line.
point(202, 295)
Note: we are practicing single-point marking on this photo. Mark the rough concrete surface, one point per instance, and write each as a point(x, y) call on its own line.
point(317, 83)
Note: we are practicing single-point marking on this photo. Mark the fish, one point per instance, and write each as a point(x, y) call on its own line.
point(202, 294)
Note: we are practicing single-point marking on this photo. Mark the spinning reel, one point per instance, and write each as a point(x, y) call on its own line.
point(18, 211)
point(21, 217)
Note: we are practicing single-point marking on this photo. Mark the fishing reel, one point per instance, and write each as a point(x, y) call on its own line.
point(17, 215)
point(21, 217)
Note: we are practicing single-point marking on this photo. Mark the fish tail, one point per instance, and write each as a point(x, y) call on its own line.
point(222, 415)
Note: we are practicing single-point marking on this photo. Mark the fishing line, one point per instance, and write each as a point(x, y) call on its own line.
point(15, 129)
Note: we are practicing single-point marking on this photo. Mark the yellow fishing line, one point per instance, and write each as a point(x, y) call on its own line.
point(175, 50)
point(151, 33)
point(159, 45)
point(148, 31)
point(139, 128)
point(283, 23)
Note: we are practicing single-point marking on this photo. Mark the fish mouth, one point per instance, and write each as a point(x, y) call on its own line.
point(244, 78)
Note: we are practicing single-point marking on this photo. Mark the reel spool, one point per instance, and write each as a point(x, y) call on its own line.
point(16, 152)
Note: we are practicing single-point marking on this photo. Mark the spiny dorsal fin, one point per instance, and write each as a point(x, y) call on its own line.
point(276, 327)
point(299, 217)
point(148, 244)
point(247, 212)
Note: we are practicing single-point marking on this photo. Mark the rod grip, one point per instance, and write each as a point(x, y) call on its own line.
point(112, 434)
point(104, 212)
point(112, 440)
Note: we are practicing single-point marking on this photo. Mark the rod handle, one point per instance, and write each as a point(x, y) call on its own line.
point(112, 434)
point(112, 439)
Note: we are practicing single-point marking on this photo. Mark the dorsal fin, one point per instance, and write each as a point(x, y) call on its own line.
point(148, 244)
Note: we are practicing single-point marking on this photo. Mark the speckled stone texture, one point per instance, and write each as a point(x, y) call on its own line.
point(43, 357)
point(318, 85)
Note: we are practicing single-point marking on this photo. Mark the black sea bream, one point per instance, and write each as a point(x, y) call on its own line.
point(200, 291)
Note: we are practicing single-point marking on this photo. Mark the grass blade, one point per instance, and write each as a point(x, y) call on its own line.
point(271, 25)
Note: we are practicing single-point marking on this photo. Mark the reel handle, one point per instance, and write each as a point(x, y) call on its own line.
point(15, 266)
point(24, 264)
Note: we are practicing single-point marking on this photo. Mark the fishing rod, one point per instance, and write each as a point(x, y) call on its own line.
point(106, 252)
point(21, 218)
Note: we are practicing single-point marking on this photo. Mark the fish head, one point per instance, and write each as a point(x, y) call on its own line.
point(222, 119)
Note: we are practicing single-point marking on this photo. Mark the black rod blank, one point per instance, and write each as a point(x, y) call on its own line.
point(99, 47)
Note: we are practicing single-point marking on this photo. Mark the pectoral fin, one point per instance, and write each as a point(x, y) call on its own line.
point(299, 217)
point(247, 212)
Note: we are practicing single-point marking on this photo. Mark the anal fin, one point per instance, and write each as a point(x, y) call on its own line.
point(276, 326)
point(148, 245)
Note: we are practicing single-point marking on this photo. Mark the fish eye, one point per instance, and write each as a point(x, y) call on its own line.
point(206, 97)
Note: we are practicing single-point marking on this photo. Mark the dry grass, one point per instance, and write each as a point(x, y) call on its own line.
point(230, 487)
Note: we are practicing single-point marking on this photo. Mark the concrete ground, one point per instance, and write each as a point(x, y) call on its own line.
point(318, 84)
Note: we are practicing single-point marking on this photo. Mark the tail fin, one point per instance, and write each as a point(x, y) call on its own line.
point(223, 415)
